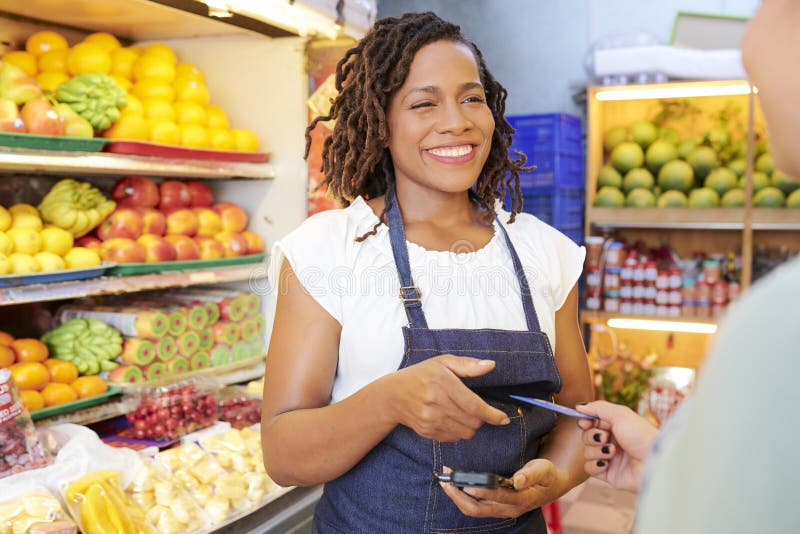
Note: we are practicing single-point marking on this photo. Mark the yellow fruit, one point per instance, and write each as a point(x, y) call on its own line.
point(187, 70)
point(153, 67)
point(24, 60)
point(220, 139)
point(162, 51)
point(164, 132)
point(61, 371)
point(104, 40)
point(53, 61)
point(6, 245)
point(55, 394)
point(81, 258)
point(158, 108)
point(188, 112)
point(49, 81)
point(193, 136)
point(45, 41)
point(122, 61)
point(149, 88)
point(129, 126)
point(192, 90)
point(26, 240)
point(5, 264)
point(49, 262)
point(84, 58)
point(89, 386)
point(26, 220)
point(133, 105)
point(122, 82)
point(5, 219)
point(56, 240)
point(19, 208)
point(245, 140)
point(217, 118)
point(32, 400)
point(30, 375)
point(23, 263)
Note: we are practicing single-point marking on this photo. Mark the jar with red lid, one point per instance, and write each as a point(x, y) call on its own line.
point(688, 291)
point(702, 292)
point(626, 291)
point(675, 275)
point(594, 251)
point(627, 269)
point(626, 307)
point(592, 299)
point(611, 280)
point(611, 302)
point(614, 254)
point(711, 270)
point(674, 311)
point(650, 272)
point(639, 272)
point(594, 277)
point(719, 293)
point(662, 280)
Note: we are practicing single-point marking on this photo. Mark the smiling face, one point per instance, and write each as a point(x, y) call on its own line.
point(440, 128)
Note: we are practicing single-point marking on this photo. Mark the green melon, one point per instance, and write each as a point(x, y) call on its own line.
point(609, 176)
point(703, 160)
point(735, 198)
point(784, 182)
point(613, 137)
point(673, 199)
point(609, 197)
point(627, 156)
point(659, 154)
point(669, 135)
point(640, 198)
point(644, 133)
point(636, 179)
point(677, 175)
point(760, 181)
point(764, 164)
point(703, 197)
point(793, 200)
point(739, 166)
point(686, 147)
point(769, 197)
point(721, 180)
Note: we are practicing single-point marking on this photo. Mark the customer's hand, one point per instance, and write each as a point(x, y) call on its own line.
point(536, 484)
point(430, 398)
point(616, 447)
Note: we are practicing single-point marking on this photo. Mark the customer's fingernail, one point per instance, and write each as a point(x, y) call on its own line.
point(486, 363)
point(601, 463)
point(605, 449)
point(582, 404)
point(596, 437)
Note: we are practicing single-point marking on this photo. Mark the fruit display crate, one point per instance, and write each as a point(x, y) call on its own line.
point(110, 285)
point(65, 275)
point(53, 411)
point(675, 218)
point(92, 414)
point(52, 142)
point(127, 269)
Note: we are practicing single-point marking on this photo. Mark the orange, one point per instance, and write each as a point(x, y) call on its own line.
point(122, 61)
point(45, 41)
point(32, 400)
point(6, 338)
point(53, 61)
point(30, 375)
point(158, 108)
point(49, 81)
point(61, 371)
point(24, 60)
point(104, 40)
point(187, 70)
point(193, 136)
point(164, 132)
point(154, 68)
point(188, 112)
point(245, 140)
point(84, 58)
point(192, 90)
point(7, 356)
point(149, 88)
point(217, 118)
point(133, 105)
point(220, 139)
point(162, 51)
point(89, 386)
point(55, 394)
point(30, 350)
point(129, 126)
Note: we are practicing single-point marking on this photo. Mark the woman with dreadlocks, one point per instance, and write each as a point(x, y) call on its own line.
point(404, 321)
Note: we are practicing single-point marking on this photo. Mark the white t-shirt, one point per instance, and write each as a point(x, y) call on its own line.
point(358, 285)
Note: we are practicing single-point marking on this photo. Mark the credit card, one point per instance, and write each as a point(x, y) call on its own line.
point(563, 410)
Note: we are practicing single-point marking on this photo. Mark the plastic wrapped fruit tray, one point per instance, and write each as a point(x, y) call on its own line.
point(129, 269)
point(65, 275)
point(52, 411)
point(144, 148)
point(52, 142)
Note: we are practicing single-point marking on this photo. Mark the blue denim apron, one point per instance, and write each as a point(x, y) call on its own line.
point(392, 489)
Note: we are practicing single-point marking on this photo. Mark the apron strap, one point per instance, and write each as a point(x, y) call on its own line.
point(524, 289)
point(409, 293)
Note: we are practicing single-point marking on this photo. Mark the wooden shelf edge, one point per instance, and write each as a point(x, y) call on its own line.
point(668, 218)
point(110, 285)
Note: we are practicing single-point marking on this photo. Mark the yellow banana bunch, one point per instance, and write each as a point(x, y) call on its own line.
point(104, 508)
point(77, 207)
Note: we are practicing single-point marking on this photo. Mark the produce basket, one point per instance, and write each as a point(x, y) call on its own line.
point(12, 280)
point(52, 142)
point(144, 148)
point(73, 406)
point(129, 269)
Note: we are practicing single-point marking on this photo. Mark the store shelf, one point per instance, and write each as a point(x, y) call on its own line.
point(598, 317)
point(129, 284)
point(669, 218)
point(15, 160)
point(90, 415)
point(290, 511)
point(776, 219)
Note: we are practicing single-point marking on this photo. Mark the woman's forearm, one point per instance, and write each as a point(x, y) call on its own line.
point(564, 448)
point(312, 446)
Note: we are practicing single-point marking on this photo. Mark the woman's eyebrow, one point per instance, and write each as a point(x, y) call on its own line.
point(433, 90)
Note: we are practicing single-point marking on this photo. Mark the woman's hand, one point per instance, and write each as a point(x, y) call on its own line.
point(430, 398)
point(615, 449)
point(536, 484)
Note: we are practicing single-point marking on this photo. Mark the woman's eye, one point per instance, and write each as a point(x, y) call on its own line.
point(475, 99)
point(419, 105)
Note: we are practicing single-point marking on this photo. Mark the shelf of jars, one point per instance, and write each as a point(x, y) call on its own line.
point(129, 284)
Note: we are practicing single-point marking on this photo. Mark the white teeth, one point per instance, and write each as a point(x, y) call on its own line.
point(451, 152)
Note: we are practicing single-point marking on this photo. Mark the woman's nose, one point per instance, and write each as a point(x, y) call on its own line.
point(452, 119)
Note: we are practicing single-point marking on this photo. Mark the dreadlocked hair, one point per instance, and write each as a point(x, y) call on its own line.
point(355, 160)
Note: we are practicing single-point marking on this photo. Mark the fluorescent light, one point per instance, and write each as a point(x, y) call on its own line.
point(292, 16)
point(662, 326)
point(673, 92)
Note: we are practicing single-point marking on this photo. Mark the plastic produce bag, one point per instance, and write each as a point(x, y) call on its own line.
point(29, 509)
point(97, 501)
point(20, 448)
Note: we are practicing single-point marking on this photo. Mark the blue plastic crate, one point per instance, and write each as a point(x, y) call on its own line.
point(576, 234)
point(549, 132)
point(561, 207)
point(553, 169)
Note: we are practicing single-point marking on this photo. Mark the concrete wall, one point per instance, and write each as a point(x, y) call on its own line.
point(536, 48)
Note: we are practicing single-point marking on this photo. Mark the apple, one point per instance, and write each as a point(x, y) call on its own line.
point(209, 222)
point(122, 250)
point(255, 244)
point(185, 247)
point(156, 248)
point(90, 242)
point(233, 242)
point(153, 221)
point(182, 221)
point(201, 195)
point(234, 218)
point(16, 85)
point(40, 118)
point(10, 120)
point(123, 222)
point(210, 248)
point(174, 195)
point(135, 191)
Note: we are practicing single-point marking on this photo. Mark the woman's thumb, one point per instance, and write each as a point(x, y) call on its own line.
point(464, 367)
